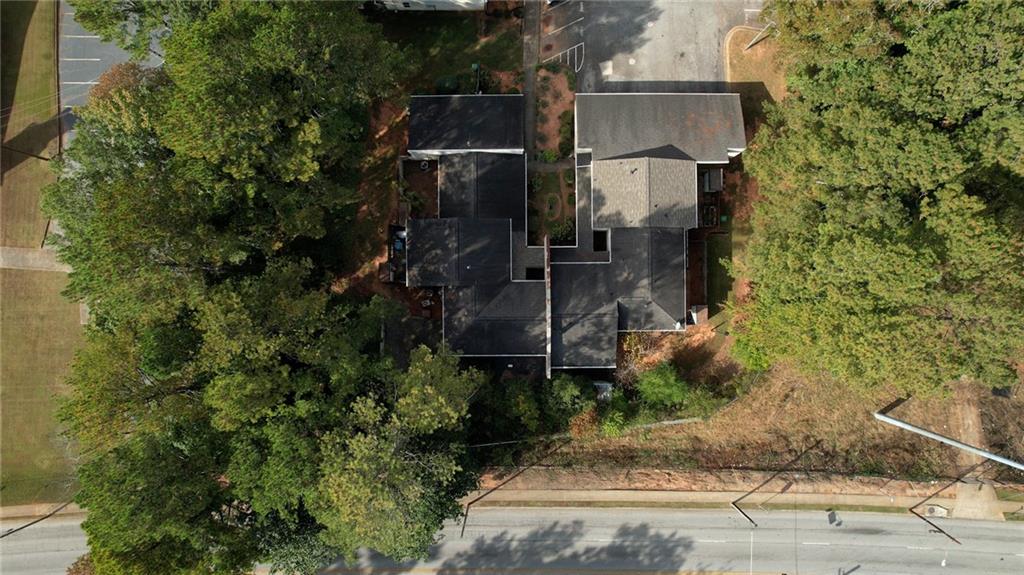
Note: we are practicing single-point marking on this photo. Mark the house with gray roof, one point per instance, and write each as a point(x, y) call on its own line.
point(640, 159)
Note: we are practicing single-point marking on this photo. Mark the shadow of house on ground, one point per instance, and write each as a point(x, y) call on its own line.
point(559, 546)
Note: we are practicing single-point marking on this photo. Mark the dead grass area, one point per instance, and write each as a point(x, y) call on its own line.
point(757, 74)
point(784, 415)
point(553, 99)
point(1002, 421)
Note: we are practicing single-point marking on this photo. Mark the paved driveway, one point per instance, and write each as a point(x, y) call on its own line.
point(645, 45)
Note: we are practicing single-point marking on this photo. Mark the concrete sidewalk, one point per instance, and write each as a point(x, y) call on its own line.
point(29, 512)
point(763, 500)
point(31, 259)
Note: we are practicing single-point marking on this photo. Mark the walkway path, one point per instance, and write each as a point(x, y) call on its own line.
point(974, 499)
point(31, 259)
point(531, 48)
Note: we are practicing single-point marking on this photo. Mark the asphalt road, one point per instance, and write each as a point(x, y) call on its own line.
point(45, 548)
point(555, 541)
point(645, 45)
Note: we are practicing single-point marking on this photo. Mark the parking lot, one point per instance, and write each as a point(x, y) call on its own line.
point(83, 58)
point(644, 45)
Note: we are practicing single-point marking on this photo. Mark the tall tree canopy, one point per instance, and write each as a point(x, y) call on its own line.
point(229, 407)
point(889, 248)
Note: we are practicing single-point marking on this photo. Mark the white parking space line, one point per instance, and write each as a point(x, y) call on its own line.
point(816, 543)
point(573, 56)
point(557, 30)
point(919, 548)
point(89, 83)
point(81, 59)
point(89, 36)
point(712, 541)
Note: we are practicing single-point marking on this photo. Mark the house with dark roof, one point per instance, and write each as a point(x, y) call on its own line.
point(641, 160)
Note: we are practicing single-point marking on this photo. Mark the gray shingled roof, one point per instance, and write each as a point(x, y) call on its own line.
point(467, 122)
point(645, 192)
point(700, 127)
point(458, 252)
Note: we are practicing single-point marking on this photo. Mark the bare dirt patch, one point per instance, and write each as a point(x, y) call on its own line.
point(378, 190)
point(785, 415)
point(553, 99)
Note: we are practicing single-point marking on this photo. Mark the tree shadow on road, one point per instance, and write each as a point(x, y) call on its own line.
point(564, 546)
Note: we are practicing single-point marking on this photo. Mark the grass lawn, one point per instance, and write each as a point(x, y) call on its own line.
point(39, 332)
point(39, 329)
point(1007, 494)
point(29, 98)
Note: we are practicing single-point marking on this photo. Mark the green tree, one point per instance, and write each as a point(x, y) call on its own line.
point(661, 386)
point(887, 249)
point(275, 88)
point(136, 25)
point(392, 481)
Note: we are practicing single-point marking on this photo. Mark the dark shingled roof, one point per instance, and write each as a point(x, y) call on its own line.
point(458, 252)
point(505, 319)
point(482, 185)
point(699, 127)
point(643, 288)
point(481, 122)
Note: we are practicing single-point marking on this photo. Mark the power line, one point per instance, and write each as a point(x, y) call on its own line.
point(34, 521)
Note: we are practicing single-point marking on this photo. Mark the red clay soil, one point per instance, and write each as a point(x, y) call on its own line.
point(508, 82)
point(739, 195)
point(378, 191)
point(558, 99)
point(556, 478)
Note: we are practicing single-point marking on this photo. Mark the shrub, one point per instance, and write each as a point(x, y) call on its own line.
point(613, 424)
point(570, 77)
point(563, 232)
point(565, 398)
point(549, 156)
point(584, 424)
point(523, 405)
point(566, 143)
point(661, 386)
point(569, 176)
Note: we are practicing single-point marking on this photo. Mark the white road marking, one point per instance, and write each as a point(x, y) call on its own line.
point(89, 83)
point(79, 36)
point(557, 30)
point(81, 59)
point(816, 543)
point(576, 57)
point(712, 541)
point(919, 548)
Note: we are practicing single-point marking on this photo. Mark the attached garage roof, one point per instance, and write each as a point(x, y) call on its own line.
point(699, 127)
point(466, 123)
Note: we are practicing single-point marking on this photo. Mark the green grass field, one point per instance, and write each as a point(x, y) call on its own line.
point(28, 90)
point(39, 329)
point(39, 332)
